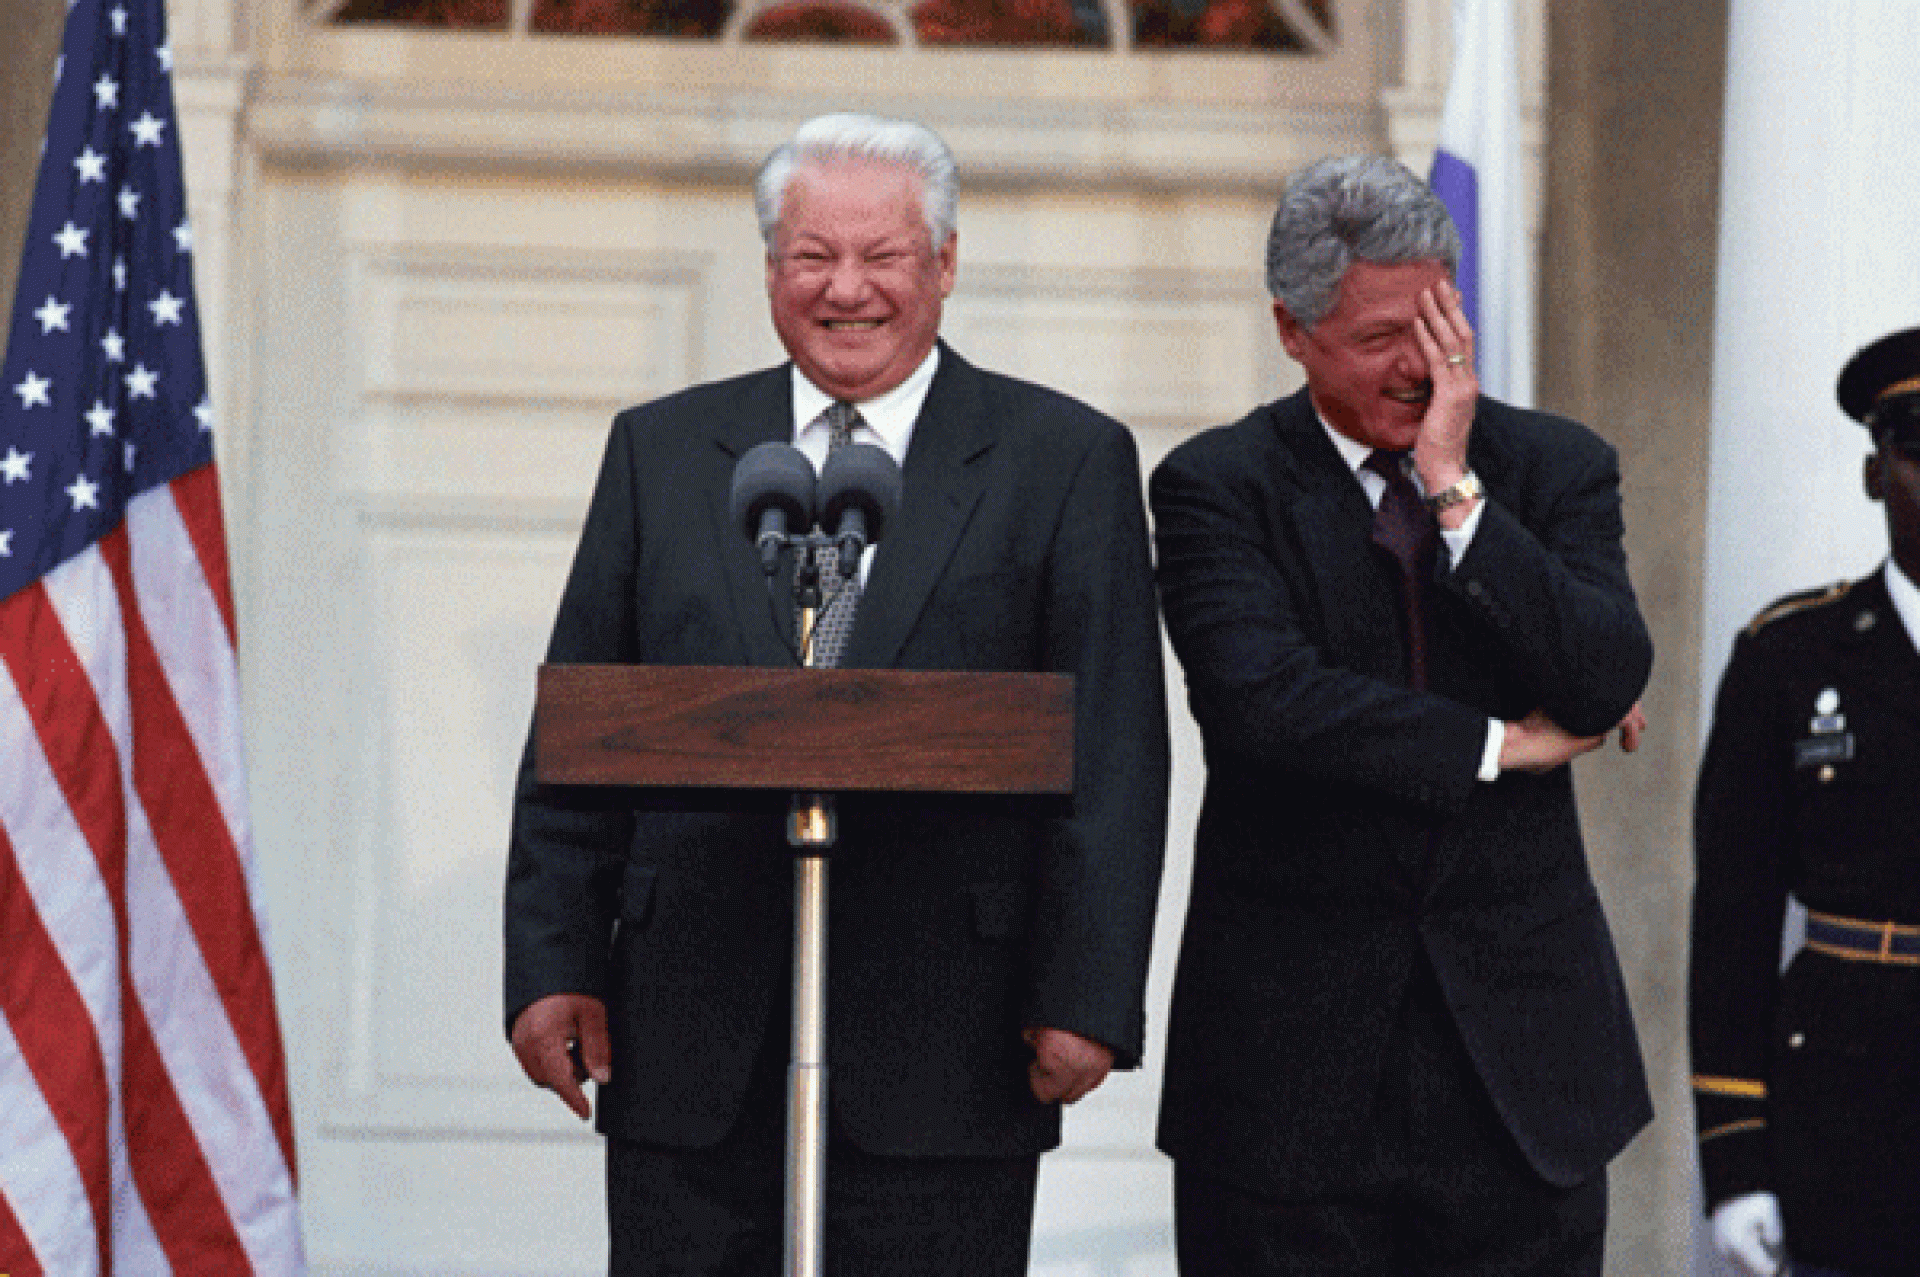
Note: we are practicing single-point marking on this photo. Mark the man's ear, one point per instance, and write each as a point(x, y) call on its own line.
point(1293, 337)
point(1874, 475)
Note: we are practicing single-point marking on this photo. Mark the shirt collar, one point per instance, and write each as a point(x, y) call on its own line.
point(1906, 600)
point(1352, 451)
point(889, 416)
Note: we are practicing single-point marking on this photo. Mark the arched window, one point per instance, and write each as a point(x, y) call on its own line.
point(1281, 26)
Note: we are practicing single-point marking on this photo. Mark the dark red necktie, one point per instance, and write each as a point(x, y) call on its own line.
point(1406, 529)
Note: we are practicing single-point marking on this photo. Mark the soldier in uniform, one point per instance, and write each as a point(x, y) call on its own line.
point(1807, 1083)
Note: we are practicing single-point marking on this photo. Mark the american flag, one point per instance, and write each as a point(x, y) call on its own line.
point(144, 1119)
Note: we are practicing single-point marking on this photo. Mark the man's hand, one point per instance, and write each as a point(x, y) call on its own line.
point(1747, 1233)
point(546, 1037)
point(1538, 744)
point(1632, 727)
point(1065, 1065)
point(1446, 339)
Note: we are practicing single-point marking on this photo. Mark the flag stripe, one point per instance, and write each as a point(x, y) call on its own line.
point(36, 1163)
point(68, 709)
point(53, 1141)
point(170, 1167)
point(174, 1001)
point(195, 650)
point(190, 830)
point(67, 825)
point(61, 873)
point(198, 495)
point(16, 1256)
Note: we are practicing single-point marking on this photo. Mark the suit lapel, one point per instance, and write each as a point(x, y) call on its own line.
point(944, 476)
point(1359, 604)
point(764, 621)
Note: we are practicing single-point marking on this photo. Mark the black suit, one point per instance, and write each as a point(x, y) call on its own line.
point(1020, 545)
point(1345, 846)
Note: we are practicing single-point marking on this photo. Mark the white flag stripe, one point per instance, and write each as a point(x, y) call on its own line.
point(190, 636)
point(210, 1075)
point(136, 1248)
point(216, 1087)
point(42, 1182)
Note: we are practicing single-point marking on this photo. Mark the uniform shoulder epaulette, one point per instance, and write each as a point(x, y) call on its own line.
point(1819, 596)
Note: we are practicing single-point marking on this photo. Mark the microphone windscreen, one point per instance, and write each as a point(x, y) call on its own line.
point(774, 476)
point(863, 477)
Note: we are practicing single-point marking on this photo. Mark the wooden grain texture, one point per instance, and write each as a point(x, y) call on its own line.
point(802, 729)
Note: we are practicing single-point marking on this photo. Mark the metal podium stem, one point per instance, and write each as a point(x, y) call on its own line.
point(811, 831)
point(807, 1077)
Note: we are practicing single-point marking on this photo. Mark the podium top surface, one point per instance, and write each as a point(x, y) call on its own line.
point(905, 731)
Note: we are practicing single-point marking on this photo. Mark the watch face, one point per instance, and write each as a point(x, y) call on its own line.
point(1463, 490)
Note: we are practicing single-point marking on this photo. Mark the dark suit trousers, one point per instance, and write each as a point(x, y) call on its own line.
point(718, 1212)
point(1442, 1192)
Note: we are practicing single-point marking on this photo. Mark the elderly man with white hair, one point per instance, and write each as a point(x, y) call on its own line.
point(988, 957)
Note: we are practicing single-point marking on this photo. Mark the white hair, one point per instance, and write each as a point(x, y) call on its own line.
point(839, 138)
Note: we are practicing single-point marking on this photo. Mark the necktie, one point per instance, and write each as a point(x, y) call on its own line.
point(833, 624)
point(1405, 528)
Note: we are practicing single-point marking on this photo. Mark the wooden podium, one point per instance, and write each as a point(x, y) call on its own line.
point(815, 732)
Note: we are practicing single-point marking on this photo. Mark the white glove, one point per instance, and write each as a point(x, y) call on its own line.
point(1747, 1232)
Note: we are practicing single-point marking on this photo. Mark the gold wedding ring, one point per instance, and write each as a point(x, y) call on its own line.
point(1456, 359)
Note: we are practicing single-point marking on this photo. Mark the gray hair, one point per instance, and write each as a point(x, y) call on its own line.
point(835, 139)
point(1369, 208)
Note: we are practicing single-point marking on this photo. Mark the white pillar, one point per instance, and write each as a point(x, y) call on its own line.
point(1820, 216)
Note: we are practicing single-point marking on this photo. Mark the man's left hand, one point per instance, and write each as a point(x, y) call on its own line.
point(1065, 1065)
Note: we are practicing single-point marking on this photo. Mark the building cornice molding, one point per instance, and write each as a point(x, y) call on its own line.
point(336, 122)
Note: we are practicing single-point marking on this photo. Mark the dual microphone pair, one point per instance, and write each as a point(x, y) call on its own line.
point(778, 501)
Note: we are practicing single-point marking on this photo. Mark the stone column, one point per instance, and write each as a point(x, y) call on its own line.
point(1820, 215)
point(1633, 111)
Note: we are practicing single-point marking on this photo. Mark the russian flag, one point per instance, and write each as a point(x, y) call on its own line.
point(1479, 174)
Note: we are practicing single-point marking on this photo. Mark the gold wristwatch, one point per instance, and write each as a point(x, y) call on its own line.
point(1464, 489)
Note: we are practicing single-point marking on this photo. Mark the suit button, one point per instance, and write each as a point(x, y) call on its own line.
point(1797, 1041)
point(1826, 773)
point(1476, 589)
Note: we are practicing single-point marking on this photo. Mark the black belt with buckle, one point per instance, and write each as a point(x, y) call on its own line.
point(1860, 941)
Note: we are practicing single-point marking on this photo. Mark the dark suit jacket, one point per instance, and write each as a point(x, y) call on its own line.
point(1343, 829)
point(1020, 545)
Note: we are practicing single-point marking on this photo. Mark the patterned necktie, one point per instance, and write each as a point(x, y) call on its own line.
point(1405, 528)
point(833, 624)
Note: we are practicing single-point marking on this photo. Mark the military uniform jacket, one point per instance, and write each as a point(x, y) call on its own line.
point(1343, 831)
point(1808, 1084)
point(1020, 544)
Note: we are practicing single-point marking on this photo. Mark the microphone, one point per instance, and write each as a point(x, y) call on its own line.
point(773, 491)
point(859, 493)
